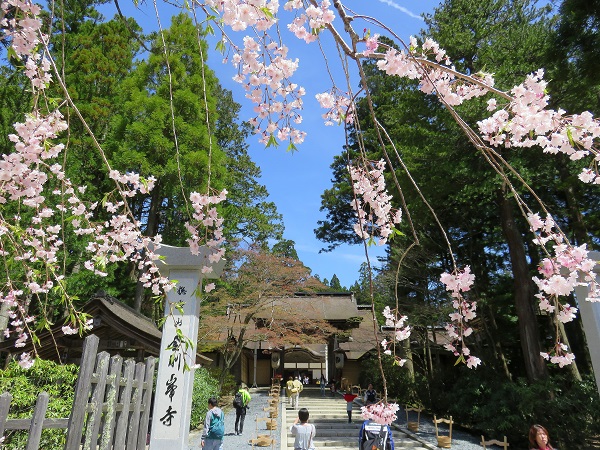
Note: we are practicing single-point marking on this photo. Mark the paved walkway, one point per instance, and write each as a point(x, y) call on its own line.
point(328, 414)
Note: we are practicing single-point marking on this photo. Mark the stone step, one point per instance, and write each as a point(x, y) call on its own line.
point(328, 414)
point(351, 434)
point(352, 443)
point(333, 425)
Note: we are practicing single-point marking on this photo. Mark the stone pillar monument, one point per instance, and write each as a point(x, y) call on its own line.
point(590, 317)
point(173, 395)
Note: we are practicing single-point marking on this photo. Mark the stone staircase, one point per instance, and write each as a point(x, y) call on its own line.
point(328, 415)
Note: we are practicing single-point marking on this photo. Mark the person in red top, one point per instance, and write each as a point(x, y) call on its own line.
point(349, 397)
point(539, 438)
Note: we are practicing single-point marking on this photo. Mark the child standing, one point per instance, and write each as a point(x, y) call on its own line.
point(349, 397)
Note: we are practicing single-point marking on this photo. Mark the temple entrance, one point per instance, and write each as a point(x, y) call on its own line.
point(307, 362)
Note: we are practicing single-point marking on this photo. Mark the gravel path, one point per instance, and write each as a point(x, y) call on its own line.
point(259, 401)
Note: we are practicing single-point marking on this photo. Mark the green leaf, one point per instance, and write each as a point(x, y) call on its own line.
point(268, 14)
point(570, 136)
point(291, 147)
point(272, 142)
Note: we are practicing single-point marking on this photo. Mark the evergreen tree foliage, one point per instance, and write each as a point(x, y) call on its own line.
point(473, 206)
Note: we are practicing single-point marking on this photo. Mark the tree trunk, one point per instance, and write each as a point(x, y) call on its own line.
point(496, 346)
point(407, 354)
point(575, 217)
point(565, 340)
point(528, 327)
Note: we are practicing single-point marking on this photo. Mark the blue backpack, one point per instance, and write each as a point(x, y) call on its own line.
point(217, 427)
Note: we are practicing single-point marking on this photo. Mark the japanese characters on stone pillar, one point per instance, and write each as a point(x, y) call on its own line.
point(174, 383)
point(590, 318)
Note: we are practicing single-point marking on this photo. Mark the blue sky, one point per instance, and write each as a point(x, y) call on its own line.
point(296, 181)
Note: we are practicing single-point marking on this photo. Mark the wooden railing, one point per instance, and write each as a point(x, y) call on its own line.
point(111, 407)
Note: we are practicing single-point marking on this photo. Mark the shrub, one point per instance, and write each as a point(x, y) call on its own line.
point(25, 385)
point(205, 386)
point(495, 406)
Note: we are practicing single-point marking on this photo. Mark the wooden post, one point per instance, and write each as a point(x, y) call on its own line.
point(146, 402)
point(35, 429)
point(123, 416)
point(92, 428)
point(5, 400)
point(82, 392)
point(174, 383)
point(113, 382)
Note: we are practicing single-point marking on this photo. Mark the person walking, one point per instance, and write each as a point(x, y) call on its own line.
point(214, 427)
point(373, 435)
point(349, 397)
point(296, 389)
point(240, 403)
point(303, 431)
point(288, 389)
point(322, 384)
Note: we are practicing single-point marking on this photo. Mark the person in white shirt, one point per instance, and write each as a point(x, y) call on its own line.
point(303, 431)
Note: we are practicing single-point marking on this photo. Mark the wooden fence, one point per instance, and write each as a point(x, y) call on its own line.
point(111, 408)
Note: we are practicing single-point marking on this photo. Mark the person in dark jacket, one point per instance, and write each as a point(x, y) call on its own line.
point(370, 396)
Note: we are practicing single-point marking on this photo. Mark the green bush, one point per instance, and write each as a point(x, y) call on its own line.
point(205, 386)
point(399, 385)
point(25, 385)
point(490, 404)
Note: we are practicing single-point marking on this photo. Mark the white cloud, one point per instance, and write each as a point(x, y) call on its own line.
point(401, 8)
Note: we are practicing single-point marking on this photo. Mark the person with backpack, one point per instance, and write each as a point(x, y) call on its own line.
point(303, 431)
point(214, 427)
point(240, 403)
point(370, 396)
point(374, 436)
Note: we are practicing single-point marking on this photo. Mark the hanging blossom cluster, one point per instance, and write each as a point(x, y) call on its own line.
point(24, 29)
point(526, 122)
point(277, 100)
point(464, 311)
point(561, 272)
point(264, 70)
point(432, 80)
point(376, 217)
point(207, 229)
point(241, 14)
point(312, 21)
point(401, 332)
point(381, 413)
point(340, 108)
